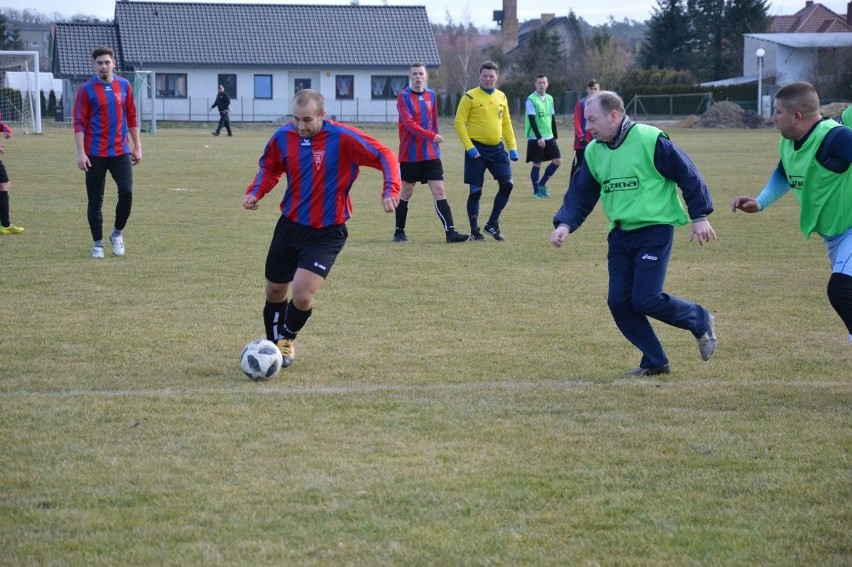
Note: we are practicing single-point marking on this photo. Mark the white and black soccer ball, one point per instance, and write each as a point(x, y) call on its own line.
point(261, 360)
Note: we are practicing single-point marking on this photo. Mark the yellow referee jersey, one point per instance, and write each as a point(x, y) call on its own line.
point(485, 118)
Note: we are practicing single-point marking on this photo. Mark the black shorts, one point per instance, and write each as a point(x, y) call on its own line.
point(549, 152)
point(297, 246)
point(421, 171)
point(4, 177)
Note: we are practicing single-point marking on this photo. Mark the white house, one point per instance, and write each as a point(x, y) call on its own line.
point(178, 53)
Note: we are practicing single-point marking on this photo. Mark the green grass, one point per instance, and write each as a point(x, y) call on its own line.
point(449, 405)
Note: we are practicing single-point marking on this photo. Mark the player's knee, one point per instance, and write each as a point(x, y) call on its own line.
point(475, 193)
point(505, 186)
point(839, 290)
point(557, 162)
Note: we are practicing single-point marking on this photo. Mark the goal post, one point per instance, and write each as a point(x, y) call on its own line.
point(20, 88)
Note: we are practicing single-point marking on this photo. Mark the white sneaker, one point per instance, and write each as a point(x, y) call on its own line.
point(98, 252)
point(117, 245)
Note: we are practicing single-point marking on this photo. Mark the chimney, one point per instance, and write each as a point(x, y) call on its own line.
point(510, 25)
point(809, 3)
point(546, 19)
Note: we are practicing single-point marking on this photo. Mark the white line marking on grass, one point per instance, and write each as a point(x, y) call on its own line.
point(378, 388)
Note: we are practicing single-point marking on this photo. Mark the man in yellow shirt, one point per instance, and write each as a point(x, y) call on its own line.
point(485, 130)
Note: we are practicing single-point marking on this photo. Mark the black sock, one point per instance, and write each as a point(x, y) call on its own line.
point(273, 315)
point(444, 213)
point(294, 320)
point(4, 208)
point(840, 297)
point(401, 215)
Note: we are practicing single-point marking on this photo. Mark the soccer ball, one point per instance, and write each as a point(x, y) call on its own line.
point(261, 360)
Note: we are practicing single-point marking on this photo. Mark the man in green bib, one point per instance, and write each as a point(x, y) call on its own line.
point(816, 166)
point(634, 170)
point(540, 130)
point(846, 116)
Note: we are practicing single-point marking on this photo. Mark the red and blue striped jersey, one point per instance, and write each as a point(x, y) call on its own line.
point(418, 125)
point(321, 170)
point(103, 112)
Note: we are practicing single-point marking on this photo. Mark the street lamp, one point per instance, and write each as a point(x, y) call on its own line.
point(760, 53)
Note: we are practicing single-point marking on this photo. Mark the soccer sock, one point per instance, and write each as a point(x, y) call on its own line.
point(444, 213)
point(500, 202)
point(4, 208)
point(534, 173)
point(99, 243)
point(473, 206)
point(294, 320)
point(272, 315)
point(401, 215)
point(548, 173)
point(115, 232)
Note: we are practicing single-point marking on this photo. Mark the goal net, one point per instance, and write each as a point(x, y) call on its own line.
point(143, 90)
point(20, 84)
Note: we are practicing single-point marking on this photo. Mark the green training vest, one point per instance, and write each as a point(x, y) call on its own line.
point(825, 196)
point(543, 113)
point(633, 193)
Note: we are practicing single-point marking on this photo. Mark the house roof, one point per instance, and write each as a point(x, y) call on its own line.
point(77, 42)
point(273, 34)
point(529, 27)
point(806, 40)
point(813, 18)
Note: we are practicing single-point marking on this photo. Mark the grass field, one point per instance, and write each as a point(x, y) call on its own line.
point(449, 404)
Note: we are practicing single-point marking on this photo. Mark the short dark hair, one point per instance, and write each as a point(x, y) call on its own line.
point(799, 96)
point(306, 95)
point(592, 83)
point(489, 65)
point(103, 50)
point(417, 64)
point(537, 77)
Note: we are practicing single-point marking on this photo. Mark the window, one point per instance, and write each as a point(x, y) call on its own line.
point(344, 87)
point(263, 86)
point(387, 86)
point(299, 84)
point(171, 85)
point(34, 43)
point(229, 82)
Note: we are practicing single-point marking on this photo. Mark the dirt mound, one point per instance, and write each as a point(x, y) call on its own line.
point(833, 110)
point(728, 114)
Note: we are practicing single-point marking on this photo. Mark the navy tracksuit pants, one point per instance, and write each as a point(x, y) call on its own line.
point(637, 261)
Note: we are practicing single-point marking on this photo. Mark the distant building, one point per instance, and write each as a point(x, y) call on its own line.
point(813, 18)
point(358, 57)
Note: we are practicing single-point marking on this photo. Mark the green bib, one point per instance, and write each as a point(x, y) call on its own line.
point(543, 112)
point(633, 193)
point(825, 196)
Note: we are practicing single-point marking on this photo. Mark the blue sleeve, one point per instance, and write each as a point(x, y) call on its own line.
point(583, 194)
point(835, 152)
point(776, 187)
point(674, 164)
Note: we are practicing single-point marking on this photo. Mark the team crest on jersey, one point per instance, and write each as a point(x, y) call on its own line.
point(318, 156)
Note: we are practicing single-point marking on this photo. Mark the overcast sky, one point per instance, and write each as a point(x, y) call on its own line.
point(477, 11)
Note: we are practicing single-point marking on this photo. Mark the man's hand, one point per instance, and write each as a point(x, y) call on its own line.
point(250, 202)
point(703, 231)
point(541, 143)
point(559, 235)
point(438, 139)
point(746, 204)
point(473, 153)
point(390, 204)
